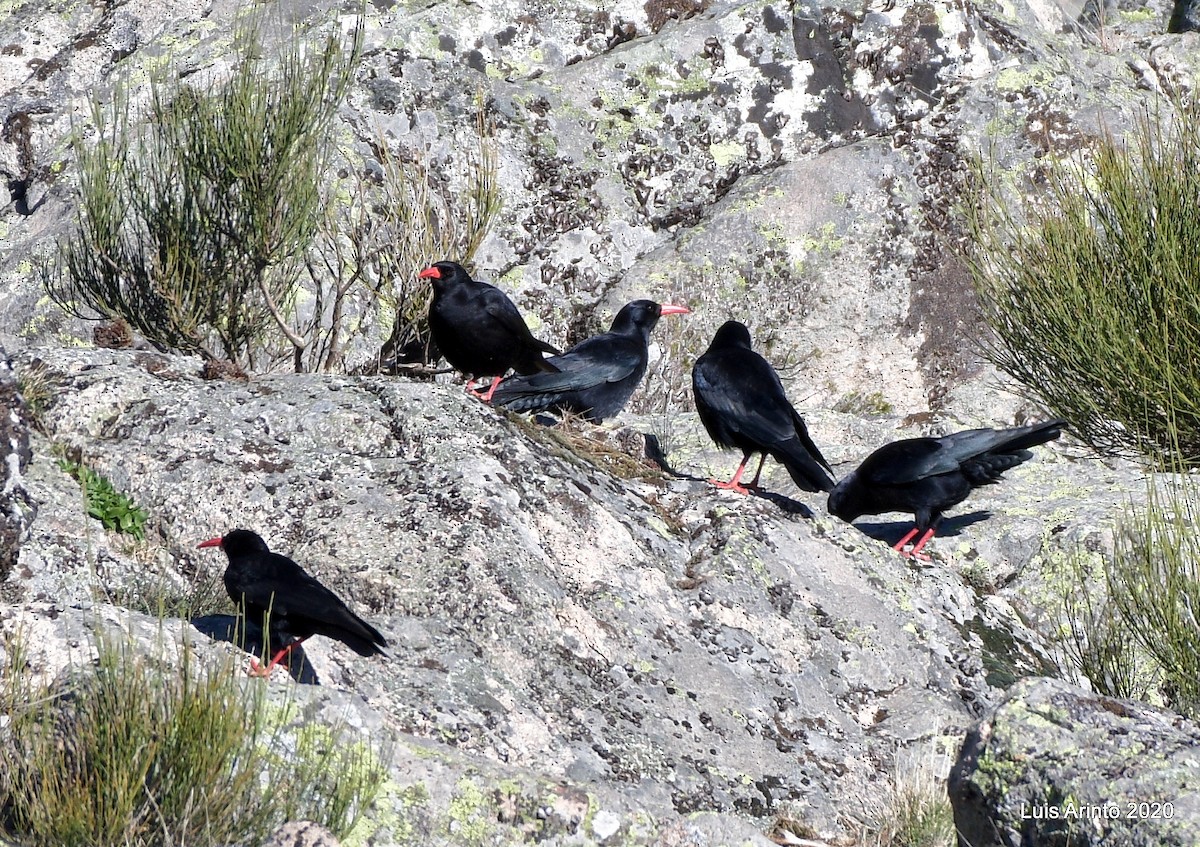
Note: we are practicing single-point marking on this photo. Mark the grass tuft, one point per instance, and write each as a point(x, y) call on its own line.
point(912, 810)
point(1095, 640)
point(620, 453)
point(1153, 580)
point(129, 751)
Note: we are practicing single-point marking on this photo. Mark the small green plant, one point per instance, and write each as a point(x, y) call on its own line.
point(1092, 288)
point(912, 809)
point(35, 388)
point(863, 405)
point(134, 751)
point(104, 503)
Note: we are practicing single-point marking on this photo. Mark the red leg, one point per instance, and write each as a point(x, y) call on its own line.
point(256, 669)
point(761, 460)
point(471, 385)
point(487, 398)
point(733, 485)
point(899, 545)
point(916, 550)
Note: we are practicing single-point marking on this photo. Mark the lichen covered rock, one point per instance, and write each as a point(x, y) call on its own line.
point(1055, 765)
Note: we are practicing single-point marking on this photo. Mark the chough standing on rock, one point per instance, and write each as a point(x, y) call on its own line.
point(479, 330)
point(742, 404)
point(596, 377)
point(291, 605)
point(929, 475)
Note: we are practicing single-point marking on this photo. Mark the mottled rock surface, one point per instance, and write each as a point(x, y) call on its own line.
point(791, 165)
point(1055, 765)
point(557, 605)
point(302, 834)
point(16, 507)
point(589, 650)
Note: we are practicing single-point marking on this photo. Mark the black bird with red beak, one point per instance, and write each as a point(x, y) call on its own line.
point(479, 330)
point(596, 377)
point(926, 476)
point(742, 404)
point(291, 605)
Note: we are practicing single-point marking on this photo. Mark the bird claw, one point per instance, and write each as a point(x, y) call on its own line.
point(735, 487)
point(259, 670)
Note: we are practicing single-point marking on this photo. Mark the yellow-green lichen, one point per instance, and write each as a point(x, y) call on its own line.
point(396, 812)
point(1139, 15)
point(1018, 79)
point(470, 817)
point(824, 241)
point(725, 152)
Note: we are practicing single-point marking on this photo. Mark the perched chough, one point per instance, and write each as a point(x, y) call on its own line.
point(479, 330)
point(926, 476)
point(742, 404)
point(596, 377)
point(276, 593)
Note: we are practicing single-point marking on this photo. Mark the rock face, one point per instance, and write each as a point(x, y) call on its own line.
point(16, 508)
point(587, 649)
point(1055, 765)
point(559, 607)
point(796, 163)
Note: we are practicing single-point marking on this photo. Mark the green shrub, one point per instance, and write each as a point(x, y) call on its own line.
point(194, 226)
point(1153, 580)
point(130, 752)
point(1095, 639)
point(1093, 288)
point(104, 503)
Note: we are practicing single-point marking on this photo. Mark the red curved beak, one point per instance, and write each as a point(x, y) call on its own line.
point(212, 542)
point(430, 273)
point(671, 309)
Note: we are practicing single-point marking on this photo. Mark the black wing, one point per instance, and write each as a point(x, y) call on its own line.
point(501, 310)
point(907, 460)
point(584, 366)
point(286, 591)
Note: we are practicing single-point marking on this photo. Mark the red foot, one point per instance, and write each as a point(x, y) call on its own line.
point(735, 483)
point(485, 396)
point(256, 668)
point(734, 486)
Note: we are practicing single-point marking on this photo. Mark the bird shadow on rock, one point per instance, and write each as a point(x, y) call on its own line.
point(655, 454)
point(248, 636)
point(892, 531)
point(786, 504)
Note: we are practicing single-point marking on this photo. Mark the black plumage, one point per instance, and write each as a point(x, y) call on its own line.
point(280, 596)
point(926, 476)
point(597, 376)
point(742, 404)
point(478, 329)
